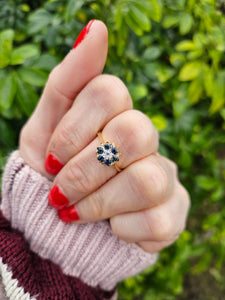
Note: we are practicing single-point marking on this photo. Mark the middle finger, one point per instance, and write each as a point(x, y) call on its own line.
point(103, 98)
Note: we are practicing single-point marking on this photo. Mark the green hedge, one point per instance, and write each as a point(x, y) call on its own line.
point(171, 55)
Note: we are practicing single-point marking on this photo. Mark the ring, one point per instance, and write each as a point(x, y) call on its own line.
point(107, 153)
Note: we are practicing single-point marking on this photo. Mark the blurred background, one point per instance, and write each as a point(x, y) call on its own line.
point(171, 55)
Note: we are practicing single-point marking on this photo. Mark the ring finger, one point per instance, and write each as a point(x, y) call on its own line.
point(134, 135)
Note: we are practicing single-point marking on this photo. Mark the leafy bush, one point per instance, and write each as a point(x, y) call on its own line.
point(171, 56)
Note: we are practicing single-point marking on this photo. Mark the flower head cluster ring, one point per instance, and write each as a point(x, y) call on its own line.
point(107, 153)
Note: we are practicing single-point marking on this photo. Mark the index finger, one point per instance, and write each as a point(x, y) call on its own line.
point(66, 80)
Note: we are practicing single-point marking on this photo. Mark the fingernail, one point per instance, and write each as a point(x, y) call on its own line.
point(69, 214)
point(57, 199)
point(52, 165)
point(83, 33)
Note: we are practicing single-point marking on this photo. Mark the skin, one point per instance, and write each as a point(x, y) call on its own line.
point(145, 203)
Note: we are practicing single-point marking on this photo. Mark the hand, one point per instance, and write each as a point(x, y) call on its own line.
point(145, 203)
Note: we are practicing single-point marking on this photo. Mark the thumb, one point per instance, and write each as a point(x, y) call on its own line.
point(85, 61)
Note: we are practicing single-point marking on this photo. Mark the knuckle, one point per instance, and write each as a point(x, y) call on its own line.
point(143, 138)
point(140, 185)
point(159, 180)
point(54, 84)
point(53, 73)
point(116, 227)
point(96, 206)
point(161, 227)
point(65, 138)
point(77, 176)
point(149, 183)
point(185, 197)
point(27, 138)
point(110, 93)
point(173, 167)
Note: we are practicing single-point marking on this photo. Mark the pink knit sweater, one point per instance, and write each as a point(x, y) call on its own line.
point(90, 254)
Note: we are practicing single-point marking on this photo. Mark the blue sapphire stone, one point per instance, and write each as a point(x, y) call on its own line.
point(108, 162)
point(114, 150)
point(107, 146)
point(100, 150)
point(101, 158)
point(115, 158)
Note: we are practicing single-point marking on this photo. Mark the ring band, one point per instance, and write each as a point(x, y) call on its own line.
point(107, 153)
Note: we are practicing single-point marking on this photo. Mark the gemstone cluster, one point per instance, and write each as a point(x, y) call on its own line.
point(107, 154)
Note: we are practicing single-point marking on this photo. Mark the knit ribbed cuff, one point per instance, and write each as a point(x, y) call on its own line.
point(90, 251)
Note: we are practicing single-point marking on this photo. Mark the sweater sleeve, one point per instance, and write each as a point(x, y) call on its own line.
point(90, 252)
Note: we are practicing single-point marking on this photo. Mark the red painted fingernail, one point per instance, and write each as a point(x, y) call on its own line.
point(57, 199)
point(69, 214)
point(52, 165)
point(83, 33)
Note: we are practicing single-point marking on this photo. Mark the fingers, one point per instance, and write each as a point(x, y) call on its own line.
point(81, 64)
point(103, 98)
point(143, 184)
point(134, 135)
point(157, 226)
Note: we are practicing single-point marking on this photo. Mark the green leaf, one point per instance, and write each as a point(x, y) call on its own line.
point(27, 97)
point(14, 112)
point(7, 134)
point(38, 20)
point(133, 24)
point(4, 61)
point(170, 20)
point(186, 21)
point(206, 183)
point(152, 53)
point(72, 8)
point(197, 54)
point(177, 59)
point(45, 62)
point(154, 9)
point(33, 77)
point(195, 90)
point(141, 19)
point(218, 97)
point(186, 45)
point(164, 73)
point(122, 37)
point(7, 91)
point(190, 71)
point(138, 91)
point(159, 121)
point(208, 79)
point(6, 41)
point(118, 18)
point(20, 54)
point(180, 106)
point(203, 263)
point(212, 219)
point(185, 159)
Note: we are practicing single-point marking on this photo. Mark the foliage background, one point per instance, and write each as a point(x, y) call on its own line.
point(170, 53)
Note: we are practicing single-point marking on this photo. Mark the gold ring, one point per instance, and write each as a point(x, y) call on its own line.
point(107, 153)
